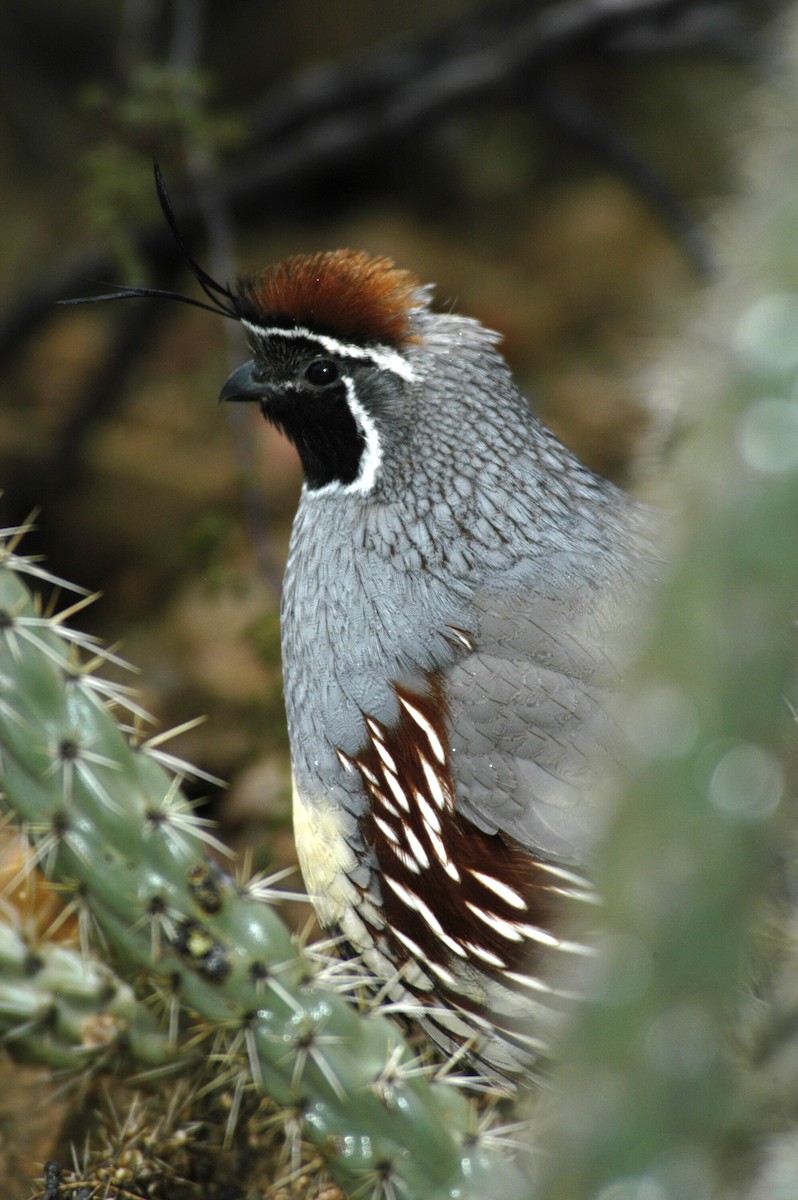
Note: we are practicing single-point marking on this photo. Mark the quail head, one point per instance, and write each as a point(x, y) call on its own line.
point(454, 579)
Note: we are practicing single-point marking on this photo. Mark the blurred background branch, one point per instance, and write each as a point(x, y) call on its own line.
point(338, 115)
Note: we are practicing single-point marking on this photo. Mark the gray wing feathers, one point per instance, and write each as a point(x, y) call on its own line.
point(531, 716)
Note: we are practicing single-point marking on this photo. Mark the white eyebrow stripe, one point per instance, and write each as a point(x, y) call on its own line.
point(381, 356)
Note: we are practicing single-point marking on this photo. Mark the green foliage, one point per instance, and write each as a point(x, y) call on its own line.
point(207, 544)
point(162, 113)
point(167, 105)
point(265, 636)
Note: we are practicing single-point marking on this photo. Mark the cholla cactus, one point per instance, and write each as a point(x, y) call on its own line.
point(105, 815)
point(67, 1009)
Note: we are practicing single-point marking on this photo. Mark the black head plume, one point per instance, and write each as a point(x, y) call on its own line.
point(222, 300)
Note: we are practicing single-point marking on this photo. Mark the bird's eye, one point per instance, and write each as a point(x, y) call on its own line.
point(321, 371)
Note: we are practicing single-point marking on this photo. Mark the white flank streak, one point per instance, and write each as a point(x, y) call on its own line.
point(538, 985)
point(548, 939)
point(442, 973)
point(385, 756)
point(388, 360)
point(496, 923)
point(573, 894)
point(486, 955)
point(501, 889)
point(372, 778)
point(528, 981)
point(433, 782)
point(416, 847)
point(397, 789)
point(577, 948)
point(374, 729)
point(428, 813)
point(386, 803)
point(567, 876)
point(412, 946)
point(345, 761)
point(535, 934)
point(405, 895)
point(386, 829)
point(429, 916)
point(415, 902)
point(423, 723)
point(406, 859)
point(442, 856)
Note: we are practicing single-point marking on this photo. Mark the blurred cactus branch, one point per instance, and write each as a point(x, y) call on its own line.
point(698, 870)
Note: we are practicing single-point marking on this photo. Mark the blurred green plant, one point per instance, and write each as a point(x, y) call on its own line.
point(649, 1103)
point(163, 112)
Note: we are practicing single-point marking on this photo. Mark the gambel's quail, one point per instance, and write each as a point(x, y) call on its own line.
point(452, 576)
point(452, 585)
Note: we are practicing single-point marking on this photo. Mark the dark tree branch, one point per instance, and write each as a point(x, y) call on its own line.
point(585, 127)
point(630, 29)
point(102, 396)
point(333, 120)
point(497, 45)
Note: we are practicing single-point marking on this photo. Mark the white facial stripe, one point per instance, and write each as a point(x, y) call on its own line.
point(372, 455)
point(385, 359)
point(370, 463)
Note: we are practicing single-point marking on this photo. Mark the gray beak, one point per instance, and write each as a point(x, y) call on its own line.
point(242, 384)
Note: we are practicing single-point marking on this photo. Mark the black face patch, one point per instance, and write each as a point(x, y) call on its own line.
point(321, 426)
point(305, 397)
